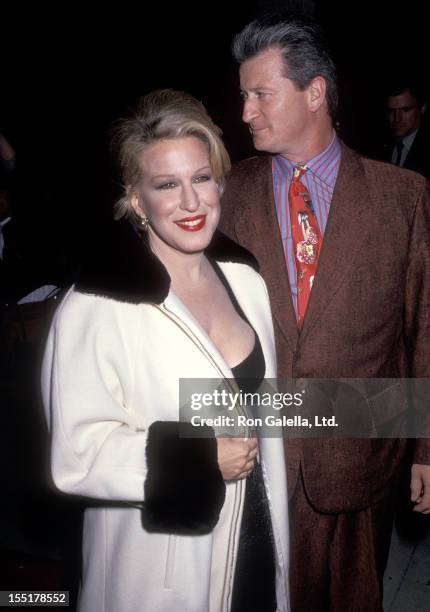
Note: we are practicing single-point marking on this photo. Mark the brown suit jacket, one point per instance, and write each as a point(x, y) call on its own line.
point(368, 314)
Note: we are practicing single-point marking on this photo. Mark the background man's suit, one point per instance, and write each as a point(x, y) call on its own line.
point(418, 158)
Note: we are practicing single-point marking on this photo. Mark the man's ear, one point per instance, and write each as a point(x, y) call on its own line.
point(423, 108)
point(317, 90)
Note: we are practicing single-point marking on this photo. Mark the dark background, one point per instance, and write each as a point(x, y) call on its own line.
point(67, 73)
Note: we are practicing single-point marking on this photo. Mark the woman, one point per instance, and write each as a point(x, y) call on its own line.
point(176, 300)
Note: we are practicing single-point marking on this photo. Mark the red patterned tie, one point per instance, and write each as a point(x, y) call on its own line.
point(307, 240)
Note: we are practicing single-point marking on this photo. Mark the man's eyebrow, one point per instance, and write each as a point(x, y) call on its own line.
point(256, 88)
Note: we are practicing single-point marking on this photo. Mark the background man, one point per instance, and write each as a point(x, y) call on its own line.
point(405, 108)
point(359, 307)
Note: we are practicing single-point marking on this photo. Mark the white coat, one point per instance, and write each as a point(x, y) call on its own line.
point(111, 369)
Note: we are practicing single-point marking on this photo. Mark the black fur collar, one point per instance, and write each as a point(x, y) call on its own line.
point(121, 266)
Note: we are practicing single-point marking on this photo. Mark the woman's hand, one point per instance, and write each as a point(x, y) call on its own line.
point(236, 457)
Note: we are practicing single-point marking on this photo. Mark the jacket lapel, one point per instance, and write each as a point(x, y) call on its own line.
point(258, 230)
point(416, 156)
point(177, 308)
point(345, 233)
point(241, 291)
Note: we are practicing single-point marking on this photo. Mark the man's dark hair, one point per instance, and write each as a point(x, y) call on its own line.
point(304, 49)
point(398, 85)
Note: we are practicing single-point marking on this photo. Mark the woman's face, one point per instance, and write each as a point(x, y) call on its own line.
point(178, 194)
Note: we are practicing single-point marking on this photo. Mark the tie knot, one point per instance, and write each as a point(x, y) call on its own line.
point(299, 170)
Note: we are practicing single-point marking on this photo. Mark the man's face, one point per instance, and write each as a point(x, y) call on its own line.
point(404, 114)
point(277, 113)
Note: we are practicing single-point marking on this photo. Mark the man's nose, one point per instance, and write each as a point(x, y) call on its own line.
point(250, 111)
point(397, 115)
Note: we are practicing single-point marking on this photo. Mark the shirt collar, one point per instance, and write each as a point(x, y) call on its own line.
point(409, 139)
point(323, 166)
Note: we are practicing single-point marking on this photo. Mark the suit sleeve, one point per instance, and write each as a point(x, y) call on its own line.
point(417, 319)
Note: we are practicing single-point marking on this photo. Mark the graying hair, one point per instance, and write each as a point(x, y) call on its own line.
point(303, 47)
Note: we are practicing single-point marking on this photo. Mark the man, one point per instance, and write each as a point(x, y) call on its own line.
point(357, 308)
point(405, 109)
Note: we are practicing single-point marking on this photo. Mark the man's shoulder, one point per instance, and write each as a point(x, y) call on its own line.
point(247, 179)
point(382, 175)
point(252, 167)
point(391, 177)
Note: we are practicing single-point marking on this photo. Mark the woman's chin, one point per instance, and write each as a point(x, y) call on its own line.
point(189, 243)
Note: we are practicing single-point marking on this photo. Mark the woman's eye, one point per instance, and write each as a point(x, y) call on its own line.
point(169, 185)
point(202, 179)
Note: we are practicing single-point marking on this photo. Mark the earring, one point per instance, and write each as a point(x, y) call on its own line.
point(144, 222)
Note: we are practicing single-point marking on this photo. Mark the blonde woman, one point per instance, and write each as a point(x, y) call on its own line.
point(166, 297)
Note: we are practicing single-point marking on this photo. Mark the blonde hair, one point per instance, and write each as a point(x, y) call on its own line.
point(160, 115)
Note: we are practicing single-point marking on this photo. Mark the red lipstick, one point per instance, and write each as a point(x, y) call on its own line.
point(192, 224)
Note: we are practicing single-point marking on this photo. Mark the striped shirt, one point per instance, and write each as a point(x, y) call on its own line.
point(319, 180)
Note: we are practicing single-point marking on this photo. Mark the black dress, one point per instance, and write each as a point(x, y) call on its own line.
point(254, 581)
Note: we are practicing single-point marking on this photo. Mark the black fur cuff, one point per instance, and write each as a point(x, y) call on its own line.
point(184, 488)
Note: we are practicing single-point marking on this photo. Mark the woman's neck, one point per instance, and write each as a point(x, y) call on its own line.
point(184, 269)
